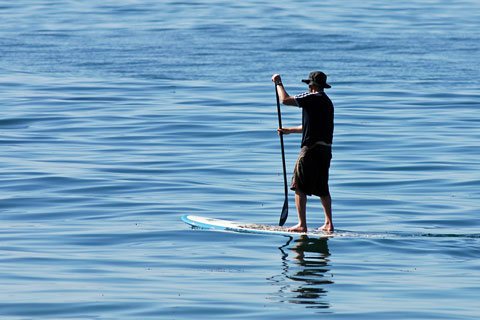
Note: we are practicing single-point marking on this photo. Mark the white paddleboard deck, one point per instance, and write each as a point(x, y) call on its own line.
point(225, 225)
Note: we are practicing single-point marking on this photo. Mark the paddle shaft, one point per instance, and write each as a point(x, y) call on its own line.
point(284, 215)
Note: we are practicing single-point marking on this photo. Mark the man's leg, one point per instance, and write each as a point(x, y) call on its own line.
point(301, 203)
point(327, 208)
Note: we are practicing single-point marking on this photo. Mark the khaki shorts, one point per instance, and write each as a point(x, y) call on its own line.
point(311, 171)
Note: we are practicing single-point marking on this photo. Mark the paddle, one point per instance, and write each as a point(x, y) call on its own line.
point(284, 215)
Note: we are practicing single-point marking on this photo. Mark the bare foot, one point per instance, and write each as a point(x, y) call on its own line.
point(328, 227)
point(297, 228)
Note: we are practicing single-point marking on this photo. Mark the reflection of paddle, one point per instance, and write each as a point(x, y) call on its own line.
point(284, 215)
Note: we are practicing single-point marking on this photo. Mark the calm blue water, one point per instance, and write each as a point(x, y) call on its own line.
point(118, 117)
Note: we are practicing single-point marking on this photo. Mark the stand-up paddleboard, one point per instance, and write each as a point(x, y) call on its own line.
point(225, 225)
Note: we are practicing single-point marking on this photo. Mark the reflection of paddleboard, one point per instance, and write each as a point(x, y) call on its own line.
point(225, 225)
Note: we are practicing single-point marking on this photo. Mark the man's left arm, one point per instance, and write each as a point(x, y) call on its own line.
point(284, 97)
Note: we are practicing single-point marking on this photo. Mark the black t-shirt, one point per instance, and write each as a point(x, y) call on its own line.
point(317, 117)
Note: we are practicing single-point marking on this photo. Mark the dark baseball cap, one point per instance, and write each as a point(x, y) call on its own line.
point(317, 78)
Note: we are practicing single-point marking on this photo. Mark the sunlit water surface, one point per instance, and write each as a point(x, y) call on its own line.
point(119, 117)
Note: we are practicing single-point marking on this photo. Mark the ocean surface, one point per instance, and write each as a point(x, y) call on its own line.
point(119, 117)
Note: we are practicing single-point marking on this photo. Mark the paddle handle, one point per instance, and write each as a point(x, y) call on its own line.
point(281, 143)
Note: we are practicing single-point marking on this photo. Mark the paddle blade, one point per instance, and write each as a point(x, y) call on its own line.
point(284, 215)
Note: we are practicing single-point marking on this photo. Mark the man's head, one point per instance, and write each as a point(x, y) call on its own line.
point(317, 80)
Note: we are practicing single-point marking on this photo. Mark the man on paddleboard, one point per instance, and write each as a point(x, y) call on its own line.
point(310, 176)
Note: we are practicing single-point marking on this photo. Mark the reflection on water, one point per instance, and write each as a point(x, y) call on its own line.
point(305, 273)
